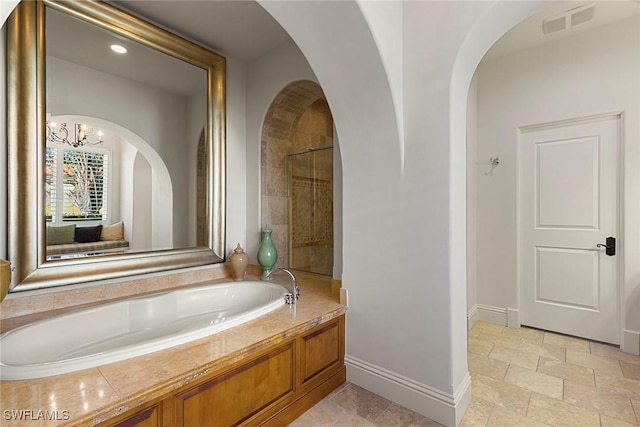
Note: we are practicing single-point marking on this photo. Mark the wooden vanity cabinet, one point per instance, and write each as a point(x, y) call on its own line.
point(272, 387)
point(239, 394)
point(149, 417)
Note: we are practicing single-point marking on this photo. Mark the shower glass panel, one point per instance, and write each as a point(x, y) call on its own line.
point(310, 182)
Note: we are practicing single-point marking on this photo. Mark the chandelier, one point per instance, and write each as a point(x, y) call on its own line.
point(82, 136)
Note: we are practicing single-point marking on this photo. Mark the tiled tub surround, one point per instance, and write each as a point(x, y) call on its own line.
point(97, 394)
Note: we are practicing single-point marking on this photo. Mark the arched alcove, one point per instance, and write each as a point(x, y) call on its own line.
point(298, 123)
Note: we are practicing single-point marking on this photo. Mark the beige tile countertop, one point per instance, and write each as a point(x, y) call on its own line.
point(91, 396)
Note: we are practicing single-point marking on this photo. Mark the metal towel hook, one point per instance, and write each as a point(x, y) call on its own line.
point(494, 161)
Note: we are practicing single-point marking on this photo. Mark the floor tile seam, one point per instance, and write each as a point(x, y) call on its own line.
point(585, 406)
point(595, 369)
point(566, 379)
point(636, 413)
point(616, 418)
point(348, 415)
point(632, 409)
point(517, 349)
point(605, 390)
point(569, 348)
point(512, 363)
point(375, 421)
point(598, 357)
point(506, 371)
point(526, 413)
point(564, 349)
point(346, 412)
point(628, 378)
point(530, 390)
point(583, 409)
point(611, 390)
point(491, 414)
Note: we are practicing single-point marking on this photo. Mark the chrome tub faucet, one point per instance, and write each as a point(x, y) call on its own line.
point(291, 297)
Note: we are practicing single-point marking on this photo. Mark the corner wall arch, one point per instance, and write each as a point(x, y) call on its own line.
point(497, 20)
point(493, 24)
point(339, 68)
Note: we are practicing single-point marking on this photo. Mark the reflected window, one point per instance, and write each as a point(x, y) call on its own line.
point(76, 183)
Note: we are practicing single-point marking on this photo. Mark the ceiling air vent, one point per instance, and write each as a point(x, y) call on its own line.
point(585, 14)
point(569, 18)
point(552, 25)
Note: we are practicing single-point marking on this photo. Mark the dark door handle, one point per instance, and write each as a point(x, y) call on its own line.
point(610, 246)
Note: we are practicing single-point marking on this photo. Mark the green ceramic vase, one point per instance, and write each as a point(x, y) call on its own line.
point(267, 254)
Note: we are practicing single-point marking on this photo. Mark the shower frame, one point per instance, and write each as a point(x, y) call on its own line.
point(289, 175)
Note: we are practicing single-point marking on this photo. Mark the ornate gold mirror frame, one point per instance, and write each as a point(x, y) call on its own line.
point(26, 143)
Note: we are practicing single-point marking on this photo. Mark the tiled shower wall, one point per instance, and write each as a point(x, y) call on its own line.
point(298, 119)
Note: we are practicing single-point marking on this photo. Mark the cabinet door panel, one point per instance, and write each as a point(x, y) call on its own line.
point(320, 350)
point(236, 396)
point(147, 418)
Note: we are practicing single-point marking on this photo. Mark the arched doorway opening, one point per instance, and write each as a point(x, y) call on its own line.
point(562, 86)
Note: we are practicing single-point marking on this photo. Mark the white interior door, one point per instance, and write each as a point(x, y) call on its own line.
point(568, 205)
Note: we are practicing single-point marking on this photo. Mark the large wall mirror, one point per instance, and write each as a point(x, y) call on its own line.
point(116, 135)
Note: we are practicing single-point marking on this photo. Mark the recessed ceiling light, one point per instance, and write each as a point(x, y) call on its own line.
point(118, 48)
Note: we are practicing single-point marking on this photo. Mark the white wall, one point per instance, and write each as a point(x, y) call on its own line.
point(591, 73)
point(142, 237)
point(472, 165)
point(384, 19)
point(128, 156)
point(397, 231)
point(196, 119)
point(337, 208)
point(438, 171)
point(237, 147)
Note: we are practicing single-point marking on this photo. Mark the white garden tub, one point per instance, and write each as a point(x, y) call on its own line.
point(133, 327)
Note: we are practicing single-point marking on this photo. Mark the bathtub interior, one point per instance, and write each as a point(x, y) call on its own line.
point(128, 328)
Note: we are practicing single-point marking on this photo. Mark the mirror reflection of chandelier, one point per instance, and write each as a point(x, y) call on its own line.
point(82, 136)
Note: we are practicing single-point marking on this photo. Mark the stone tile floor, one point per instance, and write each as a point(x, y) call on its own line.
point(521, 377)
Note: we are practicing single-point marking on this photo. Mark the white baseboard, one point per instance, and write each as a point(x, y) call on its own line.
point(472, 317)
point(631, 342)
point(513, 318)
point(447, 409)
point(496, 315)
